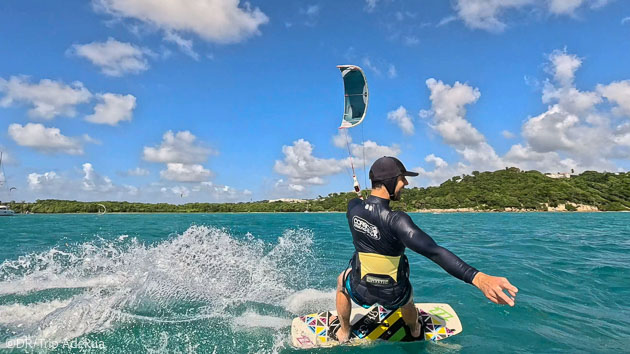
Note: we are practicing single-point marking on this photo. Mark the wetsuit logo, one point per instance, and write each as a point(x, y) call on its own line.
point(365, 227)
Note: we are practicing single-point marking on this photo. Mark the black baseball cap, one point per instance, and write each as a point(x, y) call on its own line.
point(388, 167)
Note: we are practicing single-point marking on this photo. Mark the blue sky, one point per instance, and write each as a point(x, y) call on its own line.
point(221, 100)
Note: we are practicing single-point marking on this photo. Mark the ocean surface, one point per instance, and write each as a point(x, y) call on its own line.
point(226, 283)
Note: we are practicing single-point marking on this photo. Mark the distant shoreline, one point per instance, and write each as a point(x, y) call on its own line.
point(420, 211)
point(509, 190)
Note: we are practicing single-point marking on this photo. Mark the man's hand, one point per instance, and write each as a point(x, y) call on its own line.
point(493, 288)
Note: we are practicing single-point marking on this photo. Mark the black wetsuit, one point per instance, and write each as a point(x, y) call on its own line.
point(380, 271)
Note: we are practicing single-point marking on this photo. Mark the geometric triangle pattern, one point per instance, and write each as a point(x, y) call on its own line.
point(382, 313)
point(378, 323)
point(318, 324)
point(434, 327)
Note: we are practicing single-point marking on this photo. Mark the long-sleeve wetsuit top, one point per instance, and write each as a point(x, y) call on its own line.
point(377, 229)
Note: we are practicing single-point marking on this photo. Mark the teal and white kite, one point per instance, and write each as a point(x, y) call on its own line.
point(356, 95)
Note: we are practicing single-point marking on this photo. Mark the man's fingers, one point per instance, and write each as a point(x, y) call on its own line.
point(504, 298)
point(508, 286)
point(496, 289)
point(505, 284)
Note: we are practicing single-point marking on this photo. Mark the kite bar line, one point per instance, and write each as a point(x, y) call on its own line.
point(363, 145)
point(357, 188)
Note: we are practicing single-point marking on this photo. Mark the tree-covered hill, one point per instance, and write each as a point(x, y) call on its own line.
point(510, 189)
point(531, 190)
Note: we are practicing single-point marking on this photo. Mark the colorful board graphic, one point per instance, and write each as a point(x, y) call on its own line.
point(439, 321)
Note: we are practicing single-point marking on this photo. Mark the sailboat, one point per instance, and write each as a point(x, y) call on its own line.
point(4, 210)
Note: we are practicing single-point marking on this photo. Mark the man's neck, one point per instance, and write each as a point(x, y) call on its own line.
point(381, 193)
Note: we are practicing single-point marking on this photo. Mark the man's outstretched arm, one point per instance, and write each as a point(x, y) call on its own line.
point(418, 241)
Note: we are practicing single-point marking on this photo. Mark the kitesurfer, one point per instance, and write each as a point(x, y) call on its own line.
point(379, 271)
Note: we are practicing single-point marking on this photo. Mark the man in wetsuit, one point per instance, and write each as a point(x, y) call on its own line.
point(379, 271)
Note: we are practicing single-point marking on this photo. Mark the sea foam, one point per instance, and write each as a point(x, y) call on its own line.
point(203, 273)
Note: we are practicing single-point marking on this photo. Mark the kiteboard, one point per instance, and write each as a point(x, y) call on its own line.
point(439, 321)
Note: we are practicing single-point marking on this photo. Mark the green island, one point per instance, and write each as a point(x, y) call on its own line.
point(504, 190)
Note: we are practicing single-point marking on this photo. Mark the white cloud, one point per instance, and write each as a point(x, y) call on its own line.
point(446, 20)
point(527, 158)
point(391, 71)
point(185, 173)
point(138, 172)
point(370, 5)
point(93, 186)
point(571, 99)
point(181, 147)
point(368, 64)
point(507, 134)
point(372, 151)
point(439, 174)
point(38, 181)
point(575, 132)
point(564, 66)
point(365, 153)
point(113, 109)
point(221, 21)
point(302, 168)
point(284, 188)
point(438, 161)
point(448, 108)
point(113, 57)
point(312, 10)
point(573, 124)
point(182, 153)
point(310, 15)
point(483, 14)
point(185, 45)
point(380, 67)
point(132, 191)
point(296, 187)
point(551, 130)
point(401, 117)
point(181, 191)
point(93, 182)
point(486, 14)
point(221, 193)
point(625, 19)
point(342, 139)
point(564, 7)
point(411, 40)
point(43, 139)
point(618, 93)
point(48, 98)
point(621, 135)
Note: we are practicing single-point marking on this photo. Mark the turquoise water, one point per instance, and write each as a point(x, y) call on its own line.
point(224, 283)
